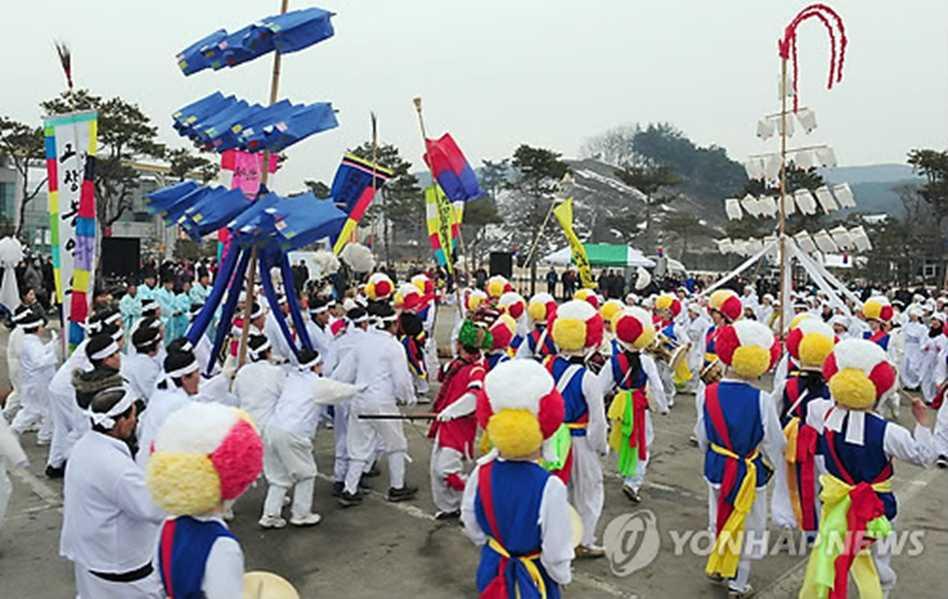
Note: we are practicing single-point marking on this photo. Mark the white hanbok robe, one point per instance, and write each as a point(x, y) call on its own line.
point(258, 386)
point(69, 423)
point(911, 368)
point(38, 362)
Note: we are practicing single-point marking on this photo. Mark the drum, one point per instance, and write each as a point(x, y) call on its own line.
point(576, 525)
point(678, 357)
point(663, 348)
point(712, 373)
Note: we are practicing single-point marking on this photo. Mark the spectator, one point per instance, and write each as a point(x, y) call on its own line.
point(551, 279)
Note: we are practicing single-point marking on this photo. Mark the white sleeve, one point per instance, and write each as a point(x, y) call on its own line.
point(556, 550)
point(224, 570)
point(524, 351)
point(468, 516)
point(655, 388)
point(217, 388)
point(816, 413)
point(774, 441)
point(900, 444)
point(401, 376)
point(133, 497)
point(596, 429)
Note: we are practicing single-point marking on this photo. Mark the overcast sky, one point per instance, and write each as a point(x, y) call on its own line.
point(498, 73)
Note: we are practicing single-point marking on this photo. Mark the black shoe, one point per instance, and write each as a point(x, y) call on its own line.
point(349, 499)
point(447, 515)
point(632, 494)
point(364, 484)
point(403, 494)
point(338, 488)
point(54, 473)
point(942, 462)
point(372, 472)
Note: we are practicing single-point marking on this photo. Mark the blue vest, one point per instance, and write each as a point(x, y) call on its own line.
point(516, 494)
point(620, 368)
point(863, 463)
point(740, 405)
point(494, 359)
point(190, 544)
point(577, 410)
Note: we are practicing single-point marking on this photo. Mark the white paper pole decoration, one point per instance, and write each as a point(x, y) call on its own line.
point(724, 245)
point(739, 247)
point(804, 159)
point(765, 128)
point(789, 122)
point(844, 195)
point(788, 205)
point(733, 209)
point(807, 119)
point(805, 201)
point(755, 168)
point(825, 198)
point(737, 271)
point(860, 239)
point(842, 238)
point(803, 240)
point(823, 241)
point(753, 246)
point(749, 204)
point(826, 156)
point(772, 168)
point(767, 206)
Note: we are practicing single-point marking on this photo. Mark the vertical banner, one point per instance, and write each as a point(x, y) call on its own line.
point(248, 170)
point(70, 166)
point(440, 215)
point(564, 215)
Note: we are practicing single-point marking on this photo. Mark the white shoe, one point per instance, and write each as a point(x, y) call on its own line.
point(272, 522)
point(42, 442)
point(307, 520)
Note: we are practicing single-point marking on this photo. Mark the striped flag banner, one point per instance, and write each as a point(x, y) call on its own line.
point(444, 222)
point(70, 165)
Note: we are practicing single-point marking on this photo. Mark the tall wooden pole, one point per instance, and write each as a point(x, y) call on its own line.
point(264, 178)
point(784, 292)
point(447, 255)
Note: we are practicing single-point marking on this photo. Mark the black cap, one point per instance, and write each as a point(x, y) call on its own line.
point(98, 347)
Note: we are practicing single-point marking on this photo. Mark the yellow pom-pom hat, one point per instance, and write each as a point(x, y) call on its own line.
point(498, 285)
point(576, 327)
point(204, 454)
point(423, 283)
point(633, 328)
point(512, 303)
point(726, 303)
point(473, 300)
point(587, 295)
point(669, 303)
point(609, 310)
point(519, 408)
point(810, 342)
point(407, 298)
point(380, 287)
point(748, 348)
point(542, 307)
point(859, 373)
point(878, 308)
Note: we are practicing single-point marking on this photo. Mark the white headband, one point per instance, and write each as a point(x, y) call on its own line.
point(112, 318)
point(319, 309)
point(106, 419)
point(106, 351)
point(32, 326)
point(256, 353)
point(184, 370)
point(19, 317)
point(311, 363)
point(360, 319)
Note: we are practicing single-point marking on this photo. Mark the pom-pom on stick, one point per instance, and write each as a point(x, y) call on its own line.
point(787, 46)
point(65, 59)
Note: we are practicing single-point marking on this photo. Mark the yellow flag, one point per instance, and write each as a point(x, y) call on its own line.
point(564, 215)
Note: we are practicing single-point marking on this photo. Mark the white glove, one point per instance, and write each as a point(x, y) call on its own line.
point(464, 406)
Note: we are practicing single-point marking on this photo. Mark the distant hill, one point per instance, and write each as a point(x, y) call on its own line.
point(873, 185)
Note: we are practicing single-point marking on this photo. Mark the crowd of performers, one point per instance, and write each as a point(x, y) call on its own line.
point(157, 438)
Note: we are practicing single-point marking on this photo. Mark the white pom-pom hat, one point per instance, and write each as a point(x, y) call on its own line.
point(423, 283)
point(576, 327)
point(727, 303)
point(859, 373)
point(407, 298)
point(633, 328)
point(512, 303)
point(748, 348)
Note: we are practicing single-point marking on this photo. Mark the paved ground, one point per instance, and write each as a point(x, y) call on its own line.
point(398, 550)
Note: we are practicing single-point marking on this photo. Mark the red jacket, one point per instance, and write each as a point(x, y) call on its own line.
point(459, 378)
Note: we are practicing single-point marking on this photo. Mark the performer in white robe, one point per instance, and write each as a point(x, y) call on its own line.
point(281, 351)
point(14, 349)
point(110, 524)
point(259, 383)
point(933, 344)
point(345, 345)
point(913, 333)
point(142, 368)
point(38, 363)
point(11, 456)
point(379, 367)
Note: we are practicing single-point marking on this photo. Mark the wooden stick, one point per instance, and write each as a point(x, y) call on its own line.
point(536, 241)
point(447, 256)
point(424, 416)
point(264, 178)
point(782, 250)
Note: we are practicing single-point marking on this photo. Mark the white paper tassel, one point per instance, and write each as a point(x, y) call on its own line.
point(739, 247)
point(860, 239)
point(724, 245)
point(825, 198)
point(765, 128)
point(772, 168)
point(805, 202)
point(807, 119)
point(803, 240)
point(788, 206)
point(772, 253)
point(825, 156)
point(749, 204)
point(789, 123)
point(804, 159)
point(844, 195)
point(755, 169)
point(824, 242)
point(733, 209)
point(767, 206)
point(753, 246)
point(842, 238)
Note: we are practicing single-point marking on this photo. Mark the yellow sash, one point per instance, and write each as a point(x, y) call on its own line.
point(526, 560)
point(727, 545)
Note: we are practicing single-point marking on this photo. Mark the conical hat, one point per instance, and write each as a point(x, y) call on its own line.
point(267, 585)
